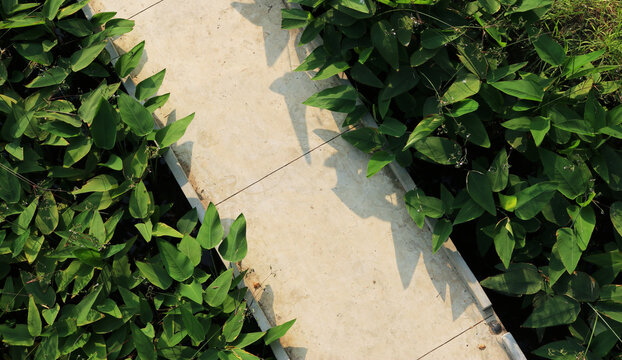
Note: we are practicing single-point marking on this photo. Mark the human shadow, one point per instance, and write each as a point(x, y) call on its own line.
point(377, 197)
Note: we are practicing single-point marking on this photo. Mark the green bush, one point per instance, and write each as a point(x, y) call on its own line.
point(521, 135)
point(91, 264)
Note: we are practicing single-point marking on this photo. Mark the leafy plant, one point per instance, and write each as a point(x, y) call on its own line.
point(520, 134)
point(91, 262)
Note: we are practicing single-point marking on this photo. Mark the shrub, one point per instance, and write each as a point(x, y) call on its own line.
point(91, 264)
point(518, 132)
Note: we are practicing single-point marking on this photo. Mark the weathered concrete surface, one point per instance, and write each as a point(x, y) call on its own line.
point(327, 246)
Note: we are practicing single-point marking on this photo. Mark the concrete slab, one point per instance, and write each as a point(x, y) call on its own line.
point(124, 9)
point(232, 64)
point(327, 246)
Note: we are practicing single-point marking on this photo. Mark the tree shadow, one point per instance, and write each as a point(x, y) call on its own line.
point(376, 197)
point(266, 14)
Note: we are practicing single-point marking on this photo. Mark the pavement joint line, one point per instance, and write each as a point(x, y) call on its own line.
point(284, 166)
point(450, 339)
point(145, 9)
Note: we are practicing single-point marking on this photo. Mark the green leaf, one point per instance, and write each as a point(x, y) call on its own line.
point(140, 201)
point(186, 223)
point(191, 248)
point(34, 320)
point(419, 206)
point(192, 324)
point(17, 336)
point(527, 5)
point(234, 247)
point(169, 134)
point(99, 183)
point(579, 286)
point(499, 171)
point(211, 231)
point(392, 127)
point(49, 77)
point(522, 89)
point(76, 150)
point(421, 56)
point(379, 160)
point(217, 291)
point(104, 126)
point(72, 9)
point(277, 332)
point(155, 273)
point(233, 325)
point(108, 306)
point(465, 85)
point(47, 214)
point(161, 229)
point(84, 57)
point(331, 70)
point(569, 249)
point(539, 127)
point(469, 211)
point(549, 50)
point(144, 345)
point(611, 292)
point(50, 314)
point(192, 291)
point(50, 8)
point(504, 241)
point(573, 176)
point(364, 75)
point(479, 188)
point(434, 38)
point(135, 115)
point(25, 217)
point(294, 18)
point(129, 61)
point(385, 42)
point(315, 60)
point(556, 310)
point(365, 139)
point(246, 339)
point(584, 221)
point(500, 73)
point(150, 85)
point(84, 306)
point(518, 280)
point(463, 107)
point(156, 102)
point(610, 309)
point(339, 99)
point(489, 6)
point(175, 262)
point(532, 200)
point(442, 230)
point(77, 27)
point(615, 213)
point(440, 150)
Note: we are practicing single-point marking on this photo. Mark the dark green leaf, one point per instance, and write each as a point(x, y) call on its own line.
point(84, 57)
point(465, 85)
point(518, 280)
point(49, 77)
point(34, 320)
point(211, 230)
point(569, 249)
point(379, 160)
point(556, 310)
point(504, 241)
point(440, 150)
point(364, 139)
point(233, 325)
point(385, 42)
point(144, 345)
point(433, 38)
point(549, 50)
point(615, 213)
point(140, 201)
point(419, 206)
point(104, 126)
point(155, 273)
point(479, 188)
point(191, 323)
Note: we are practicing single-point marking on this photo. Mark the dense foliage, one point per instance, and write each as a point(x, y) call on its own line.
point(523, 137)
point(92, 264)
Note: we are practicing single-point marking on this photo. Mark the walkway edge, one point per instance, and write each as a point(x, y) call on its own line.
point(193, 200)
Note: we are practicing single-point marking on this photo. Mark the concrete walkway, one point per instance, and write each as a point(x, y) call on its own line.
point(327, 246)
